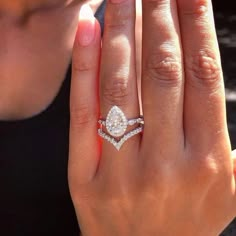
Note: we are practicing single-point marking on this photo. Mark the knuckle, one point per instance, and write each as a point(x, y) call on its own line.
point(196, 10)
point(80, 65)
point(121, 18)
point(81, 115)
point(205, 169)
point(210, 167)
point(157, 2)
point(115, 91)
point(204, 70)
point(165, 69)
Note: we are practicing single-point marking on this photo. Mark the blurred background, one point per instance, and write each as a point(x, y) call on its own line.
point(225, 20)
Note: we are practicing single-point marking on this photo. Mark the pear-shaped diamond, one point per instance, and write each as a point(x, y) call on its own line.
point(116, 122)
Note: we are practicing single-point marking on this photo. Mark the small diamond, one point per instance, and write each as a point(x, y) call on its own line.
point(131, 122)
point(119, 143)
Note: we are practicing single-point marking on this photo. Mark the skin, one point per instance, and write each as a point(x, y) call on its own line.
point(179, 175)
point(178, 178)
point(24, 21)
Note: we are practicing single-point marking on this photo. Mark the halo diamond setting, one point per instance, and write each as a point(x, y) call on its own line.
point(116, 125)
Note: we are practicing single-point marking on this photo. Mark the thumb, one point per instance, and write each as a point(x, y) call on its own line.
point(84, 143)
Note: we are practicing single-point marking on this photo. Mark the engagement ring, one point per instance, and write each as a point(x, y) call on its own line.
point(116, 125)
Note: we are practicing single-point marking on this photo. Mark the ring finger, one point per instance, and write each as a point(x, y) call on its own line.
point(118, 85)
point(162, 76)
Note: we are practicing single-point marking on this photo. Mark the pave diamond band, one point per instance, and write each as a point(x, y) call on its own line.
point(119, 143)
point(129, 122)
point(116, 125)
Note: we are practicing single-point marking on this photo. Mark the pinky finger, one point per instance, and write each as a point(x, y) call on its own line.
point(84, 145)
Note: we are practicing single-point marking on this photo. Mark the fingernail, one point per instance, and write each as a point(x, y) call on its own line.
point(86, 27)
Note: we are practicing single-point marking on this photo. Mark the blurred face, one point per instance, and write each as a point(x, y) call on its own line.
point(34, 2)
point(18, 7)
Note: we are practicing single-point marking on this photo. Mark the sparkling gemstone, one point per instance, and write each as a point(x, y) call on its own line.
point(131, 122)
point(116, 122)
point(119, 143)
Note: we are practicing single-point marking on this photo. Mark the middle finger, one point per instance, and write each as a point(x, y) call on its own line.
point(162, 74)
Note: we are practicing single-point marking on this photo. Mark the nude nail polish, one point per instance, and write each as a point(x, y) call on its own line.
point(86, 27)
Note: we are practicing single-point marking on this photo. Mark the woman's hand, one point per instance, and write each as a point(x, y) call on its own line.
point(177, 178)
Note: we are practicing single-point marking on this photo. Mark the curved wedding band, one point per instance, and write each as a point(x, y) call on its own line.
point(116, 125)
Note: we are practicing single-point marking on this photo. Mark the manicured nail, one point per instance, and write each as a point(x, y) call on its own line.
point(86, 27)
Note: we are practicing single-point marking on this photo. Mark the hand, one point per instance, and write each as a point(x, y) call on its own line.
point(178, 177)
